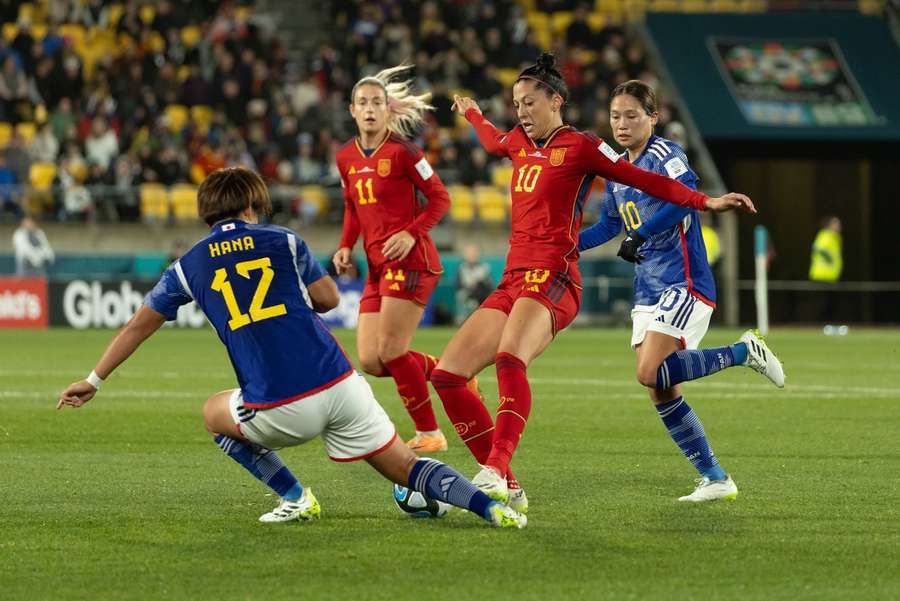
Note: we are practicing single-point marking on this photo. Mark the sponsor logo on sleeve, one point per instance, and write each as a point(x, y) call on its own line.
point(676, 168)
point(608, 151)
point(424, 169)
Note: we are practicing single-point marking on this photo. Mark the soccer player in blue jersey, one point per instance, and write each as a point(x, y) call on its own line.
point(675, 292)
point(261, 289)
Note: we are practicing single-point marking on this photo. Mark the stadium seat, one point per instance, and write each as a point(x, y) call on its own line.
point(147, 13)
point(5, 133)
point(502, 175)
point(190, 36)
point(10, 31)
point(540, 23)
point(26, 131)
point(561, 21)
point(316, 196)
point(184, 202)
point(242, 13)
point(38, 30)
point(197, 174)
point(26, 12)
point(462, 206)
point(507, 77)
point(154, 202)
point(115, 14)
point(202, 116)
point(176, 117)
point(41, 175)
point(491, 204)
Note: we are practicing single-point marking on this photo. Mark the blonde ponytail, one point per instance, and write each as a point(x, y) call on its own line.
point(406, 111)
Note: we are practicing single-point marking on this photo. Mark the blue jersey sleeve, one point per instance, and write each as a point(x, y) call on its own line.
point(307, 266)
point(606, 229)
point(670, 214)
point(168, 294)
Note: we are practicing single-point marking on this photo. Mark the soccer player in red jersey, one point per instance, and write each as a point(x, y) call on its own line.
point(540, 293)
point(381, 172)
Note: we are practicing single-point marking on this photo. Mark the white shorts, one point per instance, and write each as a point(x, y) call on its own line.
point(677, 314)
point(351, 422)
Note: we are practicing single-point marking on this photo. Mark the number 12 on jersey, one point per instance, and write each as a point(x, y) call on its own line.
point(257, 311)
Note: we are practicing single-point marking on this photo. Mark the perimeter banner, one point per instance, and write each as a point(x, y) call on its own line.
point(798, 83)
point(23, 303)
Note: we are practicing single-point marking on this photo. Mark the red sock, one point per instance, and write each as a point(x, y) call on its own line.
point(427, 362)
point(413, 389)
point(470, 417)
point(512, 414)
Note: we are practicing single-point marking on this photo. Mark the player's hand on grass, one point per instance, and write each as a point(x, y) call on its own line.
point(630, 246)
point(463, 103)
point(398, 245)
point(732, 200)
point(76, 395)
point(342, 260)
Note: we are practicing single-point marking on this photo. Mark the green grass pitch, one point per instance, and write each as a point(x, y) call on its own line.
point(128, 498)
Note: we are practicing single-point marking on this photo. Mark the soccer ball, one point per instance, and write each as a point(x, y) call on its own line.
point(417, 505)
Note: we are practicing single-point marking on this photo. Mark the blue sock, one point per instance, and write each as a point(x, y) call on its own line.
point(686, 430)
point(265, 465)
point(683, 366)
point(442, 482)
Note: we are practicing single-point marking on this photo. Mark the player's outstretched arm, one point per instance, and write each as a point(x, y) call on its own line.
point(144, 323)
point(732, 200)
point(490, 137)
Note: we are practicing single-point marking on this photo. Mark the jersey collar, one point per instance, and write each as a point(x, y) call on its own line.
point(646, 149)
point(362, 152)
point(548, 139)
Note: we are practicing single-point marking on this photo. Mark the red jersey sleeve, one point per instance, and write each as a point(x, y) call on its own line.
point(425, 179)
point(493, 140)
point(350, 234)
point(602, 160)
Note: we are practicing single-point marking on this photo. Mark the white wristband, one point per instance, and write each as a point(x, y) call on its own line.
point(94, 380)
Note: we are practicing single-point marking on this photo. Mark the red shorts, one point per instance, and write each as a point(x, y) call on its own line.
point(554, 289)
point(413, 285)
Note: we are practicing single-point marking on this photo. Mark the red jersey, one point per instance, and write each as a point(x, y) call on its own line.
point(380, 200)
point(550, 183)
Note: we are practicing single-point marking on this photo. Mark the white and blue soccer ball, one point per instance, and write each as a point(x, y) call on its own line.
point(417, 505)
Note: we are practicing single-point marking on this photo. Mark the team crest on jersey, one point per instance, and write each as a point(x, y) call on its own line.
point(384, 167)
point(557, 156)
point(522, 152)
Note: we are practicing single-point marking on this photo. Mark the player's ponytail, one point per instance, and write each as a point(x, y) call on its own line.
point(547, 76)
point(406, 111)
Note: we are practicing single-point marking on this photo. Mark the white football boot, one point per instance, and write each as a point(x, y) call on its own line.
point(492, 484)
point(518, 500)
point(305, 508)
point(712, 490)
point(760, 358)
point(504, 516)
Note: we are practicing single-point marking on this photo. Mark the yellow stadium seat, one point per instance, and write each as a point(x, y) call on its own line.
point(147, 12)
point(10, 31)
point(202, 116)
point(38, 30)
point(507, 77)
point(241, 13)
point(6, 131)
point(26, 11)
point(316, 196)
point(41, 175)
point(561, 21)
point(491, 204)
point(154, 202)
point(26, 131)
point(176, 116)
point(115, 14)
point(462, 205)
point(184, 202)
point(596, 21)
point(502, 175)
point(540, 23)
point(190, 36)
point(197, 174)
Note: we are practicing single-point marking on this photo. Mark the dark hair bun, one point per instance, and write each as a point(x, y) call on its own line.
point(546, 61)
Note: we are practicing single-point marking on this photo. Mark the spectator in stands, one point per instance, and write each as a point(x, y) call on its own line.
point(13, 90)
point(17, 157)
point(473, 283)
point(102, 145)
point(45, 147)
point(579, 33)
point(33, 252)
point(9, 190)
point(476, 170)
point(307, 170)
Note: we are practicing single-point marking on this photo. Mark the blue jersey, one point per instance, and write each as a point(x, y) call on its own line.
point(250, 281)
point(675, 256)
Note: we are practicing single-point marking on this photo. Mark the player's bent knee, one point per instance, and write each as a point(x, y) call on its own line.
point(646, 375)
point(372, 366)
point(390, 348)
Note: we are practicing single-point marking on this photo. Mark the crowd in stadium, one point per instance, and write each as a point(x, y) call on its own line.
point(98, 98)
